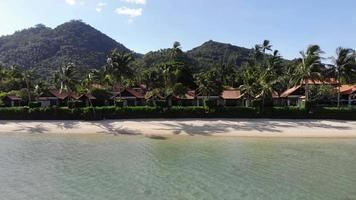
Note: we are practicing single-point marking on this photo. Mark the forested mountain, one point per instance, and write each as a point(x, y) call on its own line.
point(46, 49)
point(211, 54)
point(208, 55)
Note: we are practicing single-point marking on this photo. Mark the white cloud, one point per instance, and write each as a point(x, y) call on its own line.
point(71, 2)
point(75, 2)
point(143, 2)
point(131, 12)
point(100, 6)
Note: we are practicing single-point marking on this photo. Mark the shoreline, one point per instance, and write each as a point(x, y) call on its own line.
point(259, 128)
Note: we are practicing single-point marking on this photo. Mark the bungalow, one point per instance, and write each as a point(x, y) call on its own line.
point(348, 94)
point(232, 97)
point(131, 97)
point(296, 95)
point(63, 97)
point(87, 99)
point(50, 98)
point(276, 100)
point(200, 100)
point(229, 97)
point(12, 101)
point(186, 100)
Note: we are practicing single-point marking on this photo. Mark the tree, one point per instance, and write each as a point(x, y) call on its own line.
point(118, 66)
point(28, 78)
point(209, 84)
point(266, 46)
point(308, 68)
point(176, 52)
point(344, 67)
point(90, 78)
point(260, 73)
point(66, 77)
point(249, 86)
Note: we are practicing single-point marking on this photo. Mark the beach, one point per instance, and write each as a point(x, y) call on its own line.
point(189, 127)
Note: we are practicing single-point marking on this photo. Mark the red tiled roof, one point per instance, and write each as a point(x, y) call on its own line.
point(290, 91)
point(348, 89)
point(88, 96)
point(330, 81)
point(14, 98)
point(73, 95)
point(135, 93)
point(231, 94)
point(59, 95)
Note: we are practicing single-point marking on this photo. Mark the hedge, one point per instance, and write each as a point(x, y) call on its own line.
point(112, 112)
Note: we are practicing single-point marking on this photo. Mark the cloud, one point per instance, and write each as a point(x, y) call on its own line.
point(100, 6)
point(142, 2)
point(75, 2)
point(131, 12)
point(71, 2)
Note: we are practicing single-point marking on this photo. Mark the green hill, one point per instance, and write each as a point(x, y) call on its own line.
point(214, 53)
point(45, 49)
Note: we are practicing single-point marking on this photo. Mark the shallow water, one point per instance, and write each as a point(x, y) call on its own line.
point(42, 167)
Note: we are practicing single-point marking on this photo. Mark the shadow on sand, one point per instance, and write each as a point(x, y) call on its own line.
point(186, 126)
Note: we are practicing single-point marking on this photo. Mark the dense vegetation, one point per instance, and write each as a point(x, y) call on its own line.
point(45, 49)
point(259, 72)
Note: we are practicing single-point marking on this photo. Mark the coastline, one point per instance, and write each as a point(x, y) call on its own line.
point(268, 128)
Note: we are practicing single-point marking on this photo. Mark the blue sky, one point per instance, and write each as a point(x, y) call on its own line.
point(144, 25)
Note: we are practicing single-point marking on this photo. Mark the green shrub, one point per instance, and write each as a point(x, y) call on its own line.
point(119, 103)
point(161, 103)
point(34, 104)
point(112, 112)
point(13, 113)
point(285, 113)
point(76, 104)
point(211, 103)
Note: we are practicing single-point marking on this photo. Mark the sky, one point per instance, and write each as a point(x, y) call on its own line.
point(148, 25)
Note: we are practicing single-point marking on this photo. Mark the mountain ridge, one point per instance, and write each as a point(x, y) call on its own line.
point(45, 49)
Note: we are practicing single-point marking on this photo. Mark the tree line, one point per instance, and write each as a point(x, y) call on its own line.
point(261, 75)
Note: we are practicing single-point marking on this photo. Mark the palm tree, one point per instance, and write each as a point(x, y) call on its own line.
point(209, 84)
point(266, 83)
point(344, 67)
point(27, 77)
point(266, 46)
point(249, 86)
point(66, 76)
point(176, 53)
point(90, 78)
point(308, 68)
point(118, 66)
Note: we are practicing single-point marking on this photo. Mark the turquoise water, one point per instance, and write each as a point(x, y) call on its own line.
point(42, 167)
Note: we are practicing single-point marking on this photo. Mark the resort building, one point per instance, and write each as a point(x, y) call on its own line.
point(232, 97)
point(296, 95)
point(12, 101)
point(187, 100)
point(87, 99)
point(348, 94)
point(50, 98)
point(130, 96)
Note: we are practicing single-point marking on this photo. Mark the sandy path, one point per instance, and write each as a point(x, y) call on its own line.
point(208, 127)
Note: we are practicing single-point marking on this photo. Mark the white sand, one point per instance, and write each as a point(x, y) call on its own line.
point(211, 127)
